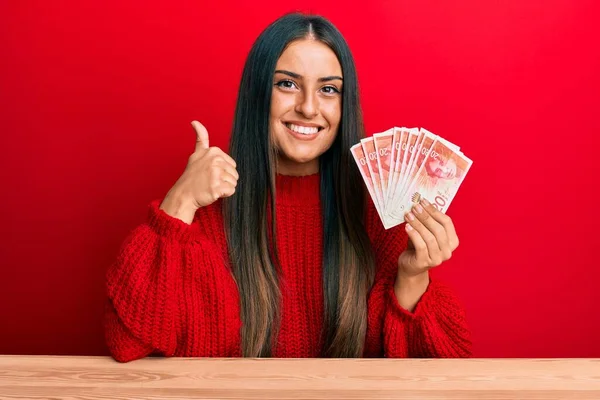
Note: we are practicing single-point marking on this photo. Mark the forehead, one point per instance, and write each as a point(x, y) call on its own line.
point(309, 58)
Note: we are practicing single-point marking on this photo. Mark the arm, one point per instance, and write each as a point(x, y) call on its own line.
point(143, 287)
point(413, 316)
point(122, 344)
point(435, 328)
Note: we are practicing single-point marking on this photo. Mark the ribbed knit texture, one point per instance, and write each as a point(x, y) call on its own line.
point(171, 291)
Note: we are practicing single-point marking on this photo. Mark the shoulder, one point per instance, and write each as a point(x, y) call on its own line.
point(374, 224)
point(387, 244)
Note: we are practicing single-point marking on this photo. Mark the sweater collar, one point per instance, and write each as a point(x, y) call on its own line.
point(298, 190)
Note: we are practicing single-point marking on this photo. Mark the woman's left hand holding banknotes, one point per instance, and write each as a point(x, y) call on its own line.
point(432, 240)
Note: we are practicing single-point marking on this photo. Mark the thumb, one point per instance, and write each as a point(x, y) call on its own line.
point(201, 135)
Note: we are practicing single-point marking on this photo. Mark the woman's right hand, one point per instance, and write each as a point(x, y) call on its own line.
point(210, 174)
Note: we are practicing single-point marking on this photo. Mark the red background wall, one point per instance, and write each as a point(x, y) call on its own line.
point(96, 101)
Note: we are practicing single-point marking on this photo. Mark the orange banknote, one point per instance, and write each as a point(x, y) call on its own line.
point(401, 166)
point(422, 149)
point(399, 147)
point(437, 180)
point(412, 142)
point(383, 148)
point(363, 166)
point(368, 145)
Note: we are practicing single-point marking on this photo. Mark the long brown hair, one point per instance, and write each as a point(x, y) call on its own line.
point(251, 232)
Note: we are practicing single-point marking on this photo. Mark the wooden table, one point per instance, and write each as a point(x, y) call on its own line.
point(185, 378)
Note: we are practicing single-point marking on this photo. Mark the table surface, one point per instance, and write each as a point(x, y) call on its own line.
point(62, 377)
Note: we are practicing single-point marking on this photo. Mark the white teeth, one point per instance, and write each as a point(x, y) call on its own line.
point(303, 129)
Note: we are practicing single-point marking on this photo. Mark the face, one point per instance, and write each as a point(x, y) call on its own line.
point(306, 105)
point(440, 169)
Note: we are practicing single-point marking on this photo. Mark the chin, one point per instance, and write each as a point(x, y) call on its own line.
point(301, 159)
point(298, 158)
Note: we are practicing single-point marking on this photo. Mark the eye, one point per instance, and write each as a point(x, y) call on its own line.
point(286, 84)
point(330, 90)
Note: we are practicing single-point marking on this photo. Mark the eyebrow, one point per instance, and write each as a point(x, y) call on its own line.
point(297, 76)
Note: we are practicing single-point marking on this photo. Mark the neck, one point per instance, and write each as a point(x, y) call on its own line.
point(291, 168)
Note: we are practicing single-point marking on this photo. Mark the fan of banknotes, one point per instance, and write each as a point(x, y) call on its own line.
point(401, 166)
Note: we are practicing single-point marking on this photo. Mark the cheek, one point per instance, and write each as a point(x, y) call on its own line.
point(275, 109)
point(280, 105)
point(332, 111)
point(333, 114)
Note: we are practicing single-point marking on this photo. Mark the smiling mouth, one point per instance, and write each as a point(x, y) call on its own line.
point(303, 130)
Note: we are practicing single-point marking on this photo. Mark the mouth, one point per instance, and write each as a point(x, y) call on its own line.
point(303, 132)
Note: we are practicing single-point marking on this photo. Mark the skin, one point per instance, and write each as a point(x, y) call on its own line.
point(432, 240)
point(307, 90)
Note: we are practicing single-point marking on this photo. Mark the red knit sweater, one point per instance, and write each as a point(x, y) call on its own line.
point(171, 292)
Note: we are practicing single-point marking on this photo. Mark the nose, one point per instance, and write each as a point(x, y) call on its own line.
point(308, 105)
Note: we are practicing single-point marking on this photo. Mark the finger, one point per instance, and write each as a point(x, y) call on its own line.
point(229, 178)
point(231, 171)
point(433, 255)
point(445, 221)
point(419, 246)
point(201, 135)
point(229, 160)
point(226, 189)
point(219, 155)
point(434, 227)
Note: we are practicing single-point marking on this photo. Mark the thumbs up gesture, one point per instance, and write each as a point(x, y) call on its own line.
point(210, 174)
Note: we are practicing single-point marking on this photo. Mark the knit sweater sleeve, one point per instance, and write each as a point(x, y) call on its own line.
point(436, 328)
point(144, 287)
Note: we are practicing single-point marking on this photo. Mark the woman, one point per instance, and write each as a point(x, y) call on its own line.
point(274, 251)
